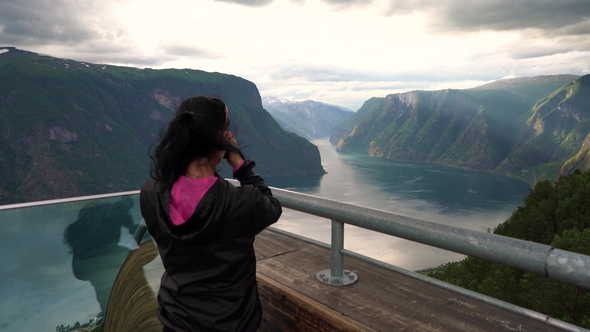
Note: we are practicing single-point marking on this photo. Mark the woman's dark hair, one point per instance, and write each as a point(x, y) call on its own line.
point(197, 131)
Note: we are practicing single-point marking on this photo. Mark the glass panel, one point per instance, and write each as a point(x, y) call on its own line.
point(58, 262)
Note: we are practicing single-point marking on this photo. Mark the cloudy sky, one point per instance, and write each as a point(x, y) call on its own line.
point(336, 51)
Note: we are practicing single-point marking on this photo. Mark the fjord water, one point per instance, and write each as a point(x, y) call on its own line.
point(451, 196)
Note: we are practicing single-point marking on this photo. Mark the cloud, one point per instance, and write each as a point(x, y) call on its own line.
point(85, 31)
point(262, 3)
point(315, 73)
point(249, 3)
point(581, 28)
point(543, 28)
point(349, 87)
point(158, 57)
point(346, 4)
point(31, 22)
point(178, 49)
point(326, 73)
point(513, 15)
point(539, 52)
point(562, 17)
point(81, 30)
point(130, 59)
point(531, 46)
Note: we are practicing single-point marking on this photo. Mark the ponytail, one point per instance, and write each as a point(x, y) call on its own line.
point(196, 132)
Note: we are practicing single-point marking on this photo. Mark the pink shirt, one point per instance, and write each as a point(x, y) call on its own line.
point(186, 195)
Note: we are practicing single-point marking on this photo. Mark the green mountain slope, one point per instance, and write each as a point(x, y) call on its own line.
point(554, 139)
point(348, 125)
point(488, 128)
point(69, 128)
point(554, 214)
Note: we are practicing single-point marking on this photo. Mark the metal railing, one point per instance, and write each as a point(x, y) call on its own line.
point(569, 267)
point(565, 266)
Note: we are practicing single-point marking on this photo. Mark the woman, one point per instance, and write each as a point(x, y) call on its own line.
point(203, 225)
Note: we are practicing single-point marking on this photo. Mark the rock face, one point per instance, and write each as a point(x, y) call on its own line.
point(309, 119)
point(532, 128)
point(71, 128)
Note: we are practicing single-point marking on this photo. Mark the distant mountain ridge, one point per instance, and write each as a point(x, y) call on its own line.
point(531, 128)
point(309, 119)
point(71, 128)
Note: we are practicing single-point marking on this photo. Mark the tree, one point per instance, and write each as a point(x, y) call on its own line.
point(557, 215)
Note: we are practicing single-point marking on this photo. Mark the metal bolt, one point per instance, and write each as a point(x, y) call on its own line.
point(325, 279)
point(346, 272)
point(336, 281)
point(322, 275)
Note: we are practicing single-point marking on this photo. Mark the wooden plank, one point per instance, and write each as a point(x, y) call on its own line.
point(270, 244)
point(285, 310)
point(387, 301)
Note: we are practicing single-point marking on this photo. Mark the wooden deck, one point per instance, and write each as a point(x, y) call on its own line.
point(293, 300)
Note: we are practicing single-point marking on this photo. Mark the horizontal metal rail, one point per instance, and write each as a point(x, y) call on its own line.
point(569, 267)
point(66, 200)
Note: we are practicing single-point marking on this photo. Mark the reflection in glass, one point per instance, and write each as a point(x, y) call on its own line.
point(94, 242)
point(58, 261)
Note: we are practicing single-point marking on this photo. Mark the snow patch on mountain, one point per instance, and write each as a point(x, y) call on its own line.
point(309, 119)
point(275, 100)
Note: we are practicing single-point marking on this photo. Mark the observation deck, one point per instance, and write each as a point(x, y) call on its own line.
point(294, 300)
point(74, 265)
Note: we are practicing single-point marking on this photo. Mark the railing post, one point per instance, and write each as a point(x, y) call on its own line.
point(336, 275)
point(337, 259)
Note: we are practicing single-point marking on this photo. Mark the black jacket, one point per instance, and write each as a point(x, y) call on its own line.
point(209, 283)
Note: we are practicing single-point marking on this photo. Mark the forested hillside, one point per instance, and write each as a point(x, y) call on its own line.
point(348, 125)
point(554, 214)
point(69, 128)
point(531, 128)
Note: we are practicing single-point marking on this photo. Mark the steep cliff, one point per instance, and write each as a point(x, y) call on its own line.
point(554, 139)
point(70, 128)
point(499, 127)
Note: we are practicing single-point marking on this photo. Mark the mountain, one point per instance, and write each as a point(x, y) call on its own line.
point(348, 125)
point(309, 119)
point(70, 128)
point(556, 137)
point(531, 128)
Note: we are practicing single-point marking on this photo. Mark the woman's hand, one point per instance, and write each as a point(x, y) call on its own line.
point(234, 159)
